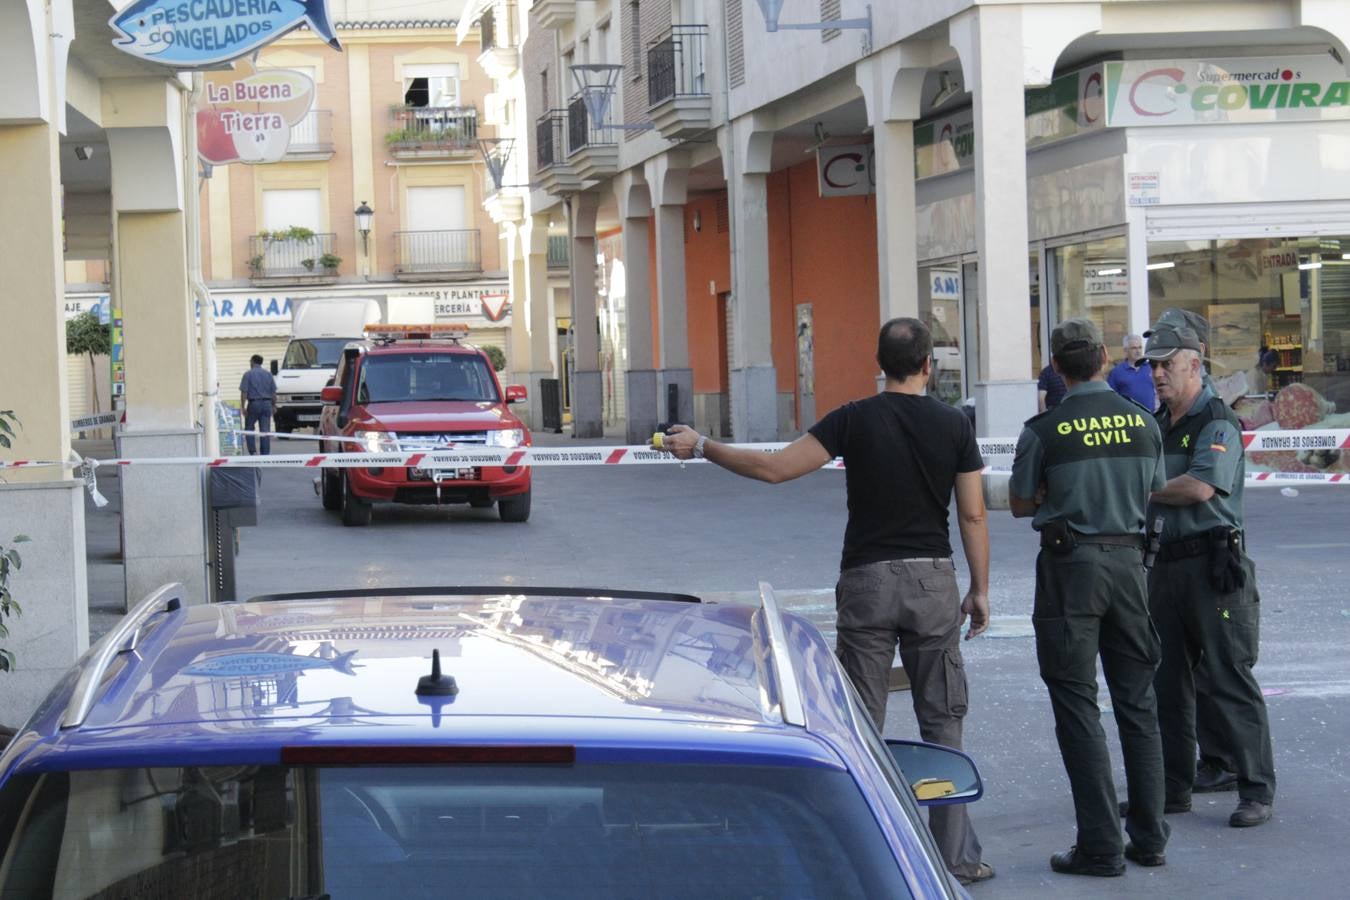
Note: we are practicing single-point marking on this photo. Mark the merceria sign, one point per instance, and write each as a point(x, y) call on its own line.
point(1223, 91)
point(195, 33)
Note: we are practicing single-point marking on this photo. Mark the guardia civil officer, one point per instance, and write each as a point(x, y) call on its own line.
point(1084, 471)
point(1202, 590)
point(1215, 770)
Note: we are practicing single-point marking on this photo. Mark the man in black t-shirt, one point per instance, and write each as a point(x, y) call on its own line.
point(905, 453)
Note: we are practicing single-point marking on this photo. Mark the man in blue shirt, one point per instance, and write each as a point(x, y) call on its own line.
point(258, 397)
point(1131, 382)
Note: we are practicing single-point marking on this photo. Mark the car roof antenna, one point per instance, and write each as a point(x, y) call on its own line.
point(436, 684)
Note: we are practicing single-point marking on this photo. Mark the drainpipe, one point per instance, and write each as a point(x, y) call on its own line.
point(206, 317)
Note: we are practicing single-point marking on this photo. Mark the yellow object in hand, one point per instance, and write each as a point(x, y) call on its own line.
point(657, 438)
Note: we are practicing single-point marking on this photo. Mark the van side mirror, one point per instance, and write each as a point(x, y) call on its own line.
point(331, 394)
point(515, 393)
point(938, 775)
point(273, 367)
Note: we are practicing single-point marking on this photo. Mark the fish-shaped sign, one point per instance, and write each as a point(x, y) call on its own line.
point(190, 34)
point(245, 665)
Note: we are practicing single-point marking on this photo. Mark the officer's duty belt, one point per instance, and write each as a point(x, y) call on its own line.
point(1121, 540)
point(1187, 548)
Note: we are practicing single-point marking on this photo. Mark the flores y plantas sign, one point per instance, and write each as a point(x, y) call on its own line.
point(1222, 91)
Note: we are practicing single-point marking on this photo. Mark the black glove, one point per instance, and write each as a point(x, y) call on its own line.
point(1225, 561)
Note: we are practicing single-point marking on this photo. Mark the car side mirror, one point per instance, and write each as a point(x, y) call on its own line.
point(937, 775)
point(331, 394)
point(515, 393)
point(273, 367)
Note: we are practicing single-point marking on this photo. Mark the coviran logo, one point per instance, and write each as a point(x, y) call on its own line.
point(1276, 89)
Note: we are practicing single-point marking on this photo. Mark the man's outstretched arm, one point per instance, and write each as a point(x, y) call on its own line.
point(806, 454)
point(970, 513)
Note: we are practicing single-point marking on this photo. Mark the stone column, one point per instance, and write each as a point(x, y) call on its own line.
point(667, 177)
point(519, 338)
point(587, 388)
point(44, 504)
point(163, 508)
point(635, 209)
point(746, 149)
point(537, 313)
point(989, 42)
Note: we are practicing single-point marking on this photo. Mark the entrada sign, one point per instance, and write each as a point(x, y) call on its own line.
point(191, 34)
point(1222, 91)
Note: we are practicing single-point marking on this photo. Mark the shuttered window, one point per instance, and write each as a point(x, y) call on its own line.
point(829, 9)
point(735, 44)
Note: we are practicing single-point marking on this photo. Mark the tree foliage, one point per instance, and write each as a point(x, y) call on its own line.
point(85, 334)
point(497, 357)
point(10, 562)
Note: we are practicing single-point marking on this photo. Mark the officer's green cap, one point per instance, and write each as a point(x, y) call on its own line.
point(1163, 343)
point(1182, 318)
point(1072, 333)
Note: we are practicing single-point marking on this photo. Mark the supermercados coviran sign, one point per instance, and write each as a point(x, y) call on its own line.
point(190, 34)
point(1224, 91)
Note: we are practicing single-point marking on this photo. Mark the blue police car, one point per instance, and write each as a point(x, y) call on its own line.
point(467, 742)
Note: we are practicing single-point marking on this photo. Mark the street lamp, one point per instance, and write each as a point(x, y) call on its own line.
point(772, 9)
point(496, 152)
point(363, 216)
point(596, 82)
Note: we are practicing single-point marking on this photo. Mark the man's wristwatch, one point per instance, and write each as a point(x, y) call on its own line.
point(698, 447)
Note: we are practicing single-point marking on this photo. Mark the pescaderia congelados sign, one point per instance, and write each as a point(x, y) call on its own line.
point(1226, 91)
point(190, 34)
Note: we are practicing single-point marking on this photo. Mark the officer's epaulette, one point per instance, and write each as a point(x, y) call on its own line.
point(1040, 415)
point(1138, 404)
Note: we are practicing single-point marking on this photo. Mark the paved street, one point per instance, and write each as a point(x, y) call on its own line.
point(703, 531)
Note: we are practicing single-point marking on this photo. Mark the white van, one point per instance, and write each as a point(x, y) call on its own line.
point(320, 329)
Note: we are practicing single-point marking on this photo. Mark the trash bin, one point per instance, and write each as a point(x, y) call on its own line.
point(232, 502)
point(550, 399)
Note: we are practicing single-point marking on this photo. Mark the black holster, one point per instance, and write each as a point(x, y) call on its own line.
point(1058, 538)
point(1225, 560)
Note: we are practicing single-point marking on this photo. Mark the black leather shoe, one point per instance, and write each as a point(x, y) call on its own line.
point(1212, 779)
point(1143, 857)
point(1170, 807)
point(1075, 862)
point(1250, 813)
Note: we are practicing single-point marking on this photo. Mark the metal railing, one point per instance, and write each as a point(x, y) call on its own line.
point(549, 134)
point(452, 250)
point(581, 131)
point(675, 64)
point(283, 257)
point(559, 251)
point(433, 128)
point(313, 133)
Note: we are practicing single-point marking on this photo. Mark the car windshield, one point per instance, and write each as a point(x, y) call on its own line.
point(313, 353)
point(594, 830)
point(425, 376)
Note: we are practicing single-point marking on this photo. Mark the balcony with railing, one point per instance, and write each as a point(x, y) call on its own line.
point(274, 257)
point(432, 131)
point(435, 254)
point(312, 136)
point(593, 151)
point(678, 97)
point(550, 148)
point(500, 54)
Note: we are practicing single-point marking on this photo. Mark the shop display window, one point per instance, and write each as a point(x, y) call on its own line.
point(1092, 281)
point(940, 292)
point(1279, 314)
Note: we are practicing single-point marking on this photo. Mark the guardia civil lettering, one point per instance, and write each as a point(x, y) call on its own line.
point(1099, 431)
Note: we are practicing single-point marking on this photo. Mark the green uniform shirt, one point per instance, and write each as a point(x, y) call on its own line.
point(1098, 454)
point(1206, 443)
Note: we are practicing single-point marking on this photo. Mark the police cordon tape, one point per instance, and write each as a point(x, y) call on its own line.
point(606, 455)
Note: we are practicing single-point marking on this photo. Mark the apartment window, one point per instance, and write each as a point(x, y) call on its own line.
point(434, 86)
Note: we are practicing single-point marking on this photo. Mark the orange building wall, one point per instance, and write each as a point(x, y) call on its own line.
point(828, 258)
point(707, 257)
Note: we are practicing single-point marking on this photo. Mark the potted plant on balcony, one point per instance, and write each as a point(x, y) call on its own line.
point(330, 262)
point(255, 266)
point(308, 264)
